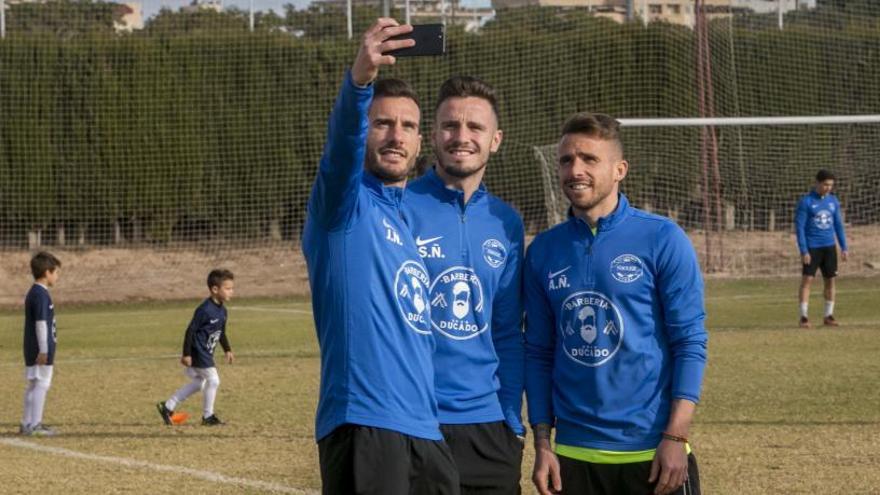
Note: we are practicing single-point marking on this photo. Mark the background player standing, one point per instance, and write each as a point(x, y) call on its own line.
point(817, 221)
point(39, 343)
point(207, 328)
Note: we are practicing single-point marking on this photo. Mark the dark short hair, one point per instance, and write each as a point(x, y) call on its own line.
point(464, 86)
point(394, 88)
point(595, 125)
point(43, 262)
point(823, 175)
point(218, 276)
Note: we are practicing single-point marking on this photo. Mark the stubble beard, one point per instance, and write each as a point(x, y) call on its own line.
point(385, 174)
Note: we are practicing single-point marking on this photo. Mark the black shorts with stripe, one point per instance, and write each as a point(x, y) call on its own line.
point(579, 477)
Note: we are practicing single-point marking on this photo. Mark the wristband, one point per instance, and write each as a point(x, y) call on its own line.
point(674, 438)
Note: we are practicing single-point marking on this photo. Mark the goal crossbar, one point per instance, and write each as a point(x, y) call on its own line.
point(743, 121)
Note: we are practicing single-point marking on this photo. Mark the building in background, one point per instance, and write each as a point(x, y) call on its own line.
point(679, 12)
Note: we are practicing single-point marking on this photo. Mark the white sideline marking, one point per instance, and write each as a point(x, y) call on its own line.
point(276, 310)
point(133, 463)
point(764, 296)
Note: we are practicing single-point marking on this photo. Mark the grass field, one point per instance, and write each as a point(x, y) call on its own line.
point(783, 411)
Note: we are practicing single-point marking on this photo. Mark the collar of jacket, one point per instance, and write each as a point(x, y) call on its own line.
point(607, 222)
point(391, 195)
point(450, 195)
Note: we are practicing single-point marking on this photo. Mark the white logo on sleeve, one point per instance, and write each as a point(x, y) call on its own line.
point(494, 253)
point(627, 268)
point(411, 288)
point(591, 328)
point(823, 219)
point(457, 308)
point(558, 279)
point(215, 320)
point(429, 248)
point(391, 234)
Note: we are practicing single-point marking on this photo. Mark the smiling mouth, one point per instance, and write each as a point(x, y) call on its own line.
point(392, 152)
point(579, 186)
point(461, 152)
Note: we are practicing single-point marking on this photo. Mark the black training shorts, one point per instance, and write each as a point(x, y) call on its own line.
point(823, 258)
point(376, 461)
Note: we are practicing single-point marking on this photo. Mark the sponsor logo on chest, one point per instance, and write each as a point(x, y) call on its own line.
point(411, 289)
point(457, 304)
point(823, 219)
point(591, 327)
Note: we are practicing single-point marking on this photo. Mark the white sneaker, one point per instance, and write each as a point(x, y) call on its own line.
point(41, 430)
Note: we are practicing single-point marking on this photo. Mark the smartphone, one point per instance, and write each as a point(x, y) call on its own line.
point(430, 40)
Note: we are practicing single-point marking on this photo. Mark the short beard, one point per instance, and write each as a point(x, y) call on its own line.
point(384, 175)
point(456, 171)
point(592, 204)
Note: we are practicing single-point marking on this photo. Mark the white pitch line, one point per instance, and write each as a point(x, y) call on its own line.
point(133, 463)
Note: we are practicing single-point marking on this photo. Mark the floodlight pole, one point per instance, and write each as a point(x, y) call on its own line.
point(251, 16)
point(348, 17)
point(407, 12)
point(2, 19)
point(779, 10)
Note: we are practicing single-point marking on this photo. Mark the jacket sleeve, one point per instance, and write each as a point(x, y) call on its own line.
point(800, 225)
point(189, 337)
point(540, 345)
point(838, 227)
point(680, 287)
point(224, 342)
point(507, 333)
point(334, 194)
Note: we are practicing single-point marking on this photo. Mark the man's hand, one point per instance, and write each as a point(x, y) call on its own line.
point(546, 475)
point(230, 357)
point(374, 44)
point(669, 468)
point(844, 255)
point(42, 358)
point(806, 258)
point(186, 361)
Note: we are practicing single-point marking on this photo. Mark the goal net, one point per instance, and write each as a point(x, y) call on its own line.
point(736, 196)
point(146, 147)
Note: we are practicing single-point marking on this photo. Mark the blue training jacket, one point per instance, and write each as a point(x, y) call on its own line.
point(369, 289)
point(473, 253)
point(817, 220)
point(614, 329)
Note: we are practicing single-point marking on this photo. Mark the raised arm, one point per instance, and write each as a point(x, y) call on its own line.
point(342, 164)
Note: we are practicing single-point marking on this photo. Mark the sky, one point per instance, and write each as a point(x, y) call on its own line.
point(152, 7)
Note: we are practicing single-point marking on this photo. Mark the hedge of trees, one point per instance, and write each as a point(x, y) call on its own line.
point(195, 128)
